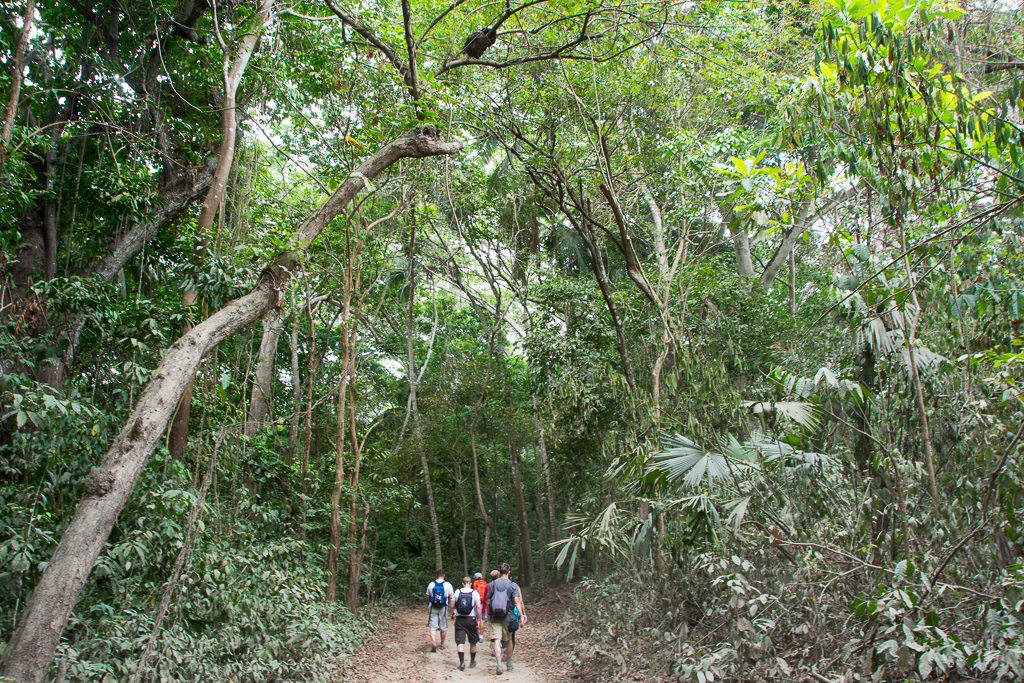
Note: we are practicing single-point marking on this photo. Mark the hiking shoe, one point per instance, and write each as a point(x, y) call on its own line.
point(462, 667)
point(433, 649)
point(472, 665)
point(499, 671)
point(508, 665)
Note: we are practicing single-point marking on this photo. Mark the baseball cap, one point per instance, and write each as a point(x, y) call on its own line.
point(478, 575)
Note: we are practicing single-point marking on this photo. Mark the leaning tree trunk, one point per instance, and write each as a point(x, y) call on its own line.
point(107, 487)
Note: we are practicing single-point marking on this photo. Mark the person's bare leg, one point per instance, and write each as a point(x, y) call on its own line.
point(443, 634)
point(433, 640)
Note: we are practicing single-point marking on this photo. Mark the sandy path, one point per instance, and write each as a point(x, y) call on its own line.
point(402, 653)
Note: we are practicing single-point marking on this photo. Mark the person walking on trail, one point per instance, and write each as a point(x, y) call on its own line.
point(480, 586)
point(466, 607)
point(501, 595)
point(518, 619)
point(439, 593)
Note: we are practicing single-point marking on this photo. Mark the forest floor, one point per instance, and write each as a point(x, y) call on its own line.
point(401, 650)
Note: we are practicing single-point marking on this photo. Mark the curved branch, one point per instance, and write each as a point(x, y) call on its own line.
point(369, 36)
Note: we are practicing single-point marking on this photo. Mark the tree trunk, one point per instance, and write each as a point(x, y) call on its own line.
point(293, 420)
point(308, 430)
point(16, 79)
point(741, 245)
point(542, 455)
point(107, 488)
point(413, 407)
point(350, 321)
point(540, 521)
point(354, 554)
point(792, 281)
point(233, 71)
point(334, 544)
point(804, 220)
point(178, 438)
point(488, 522)
point(525, 549)
point(273, 323)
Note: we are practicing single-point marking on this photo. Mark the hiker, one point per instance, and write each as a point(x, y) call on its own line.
point(480, 586)
point(466, 607)
point(439, 594)
point(501, 595)
point(518, 619)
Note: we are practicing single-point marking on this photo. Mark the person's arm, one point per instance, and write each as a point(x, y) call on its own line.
point(522, 610)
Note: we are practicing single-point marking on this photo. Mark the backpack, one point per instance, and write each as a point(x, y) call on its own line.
point(499, 603)
point(437, 597)
point(514, 624)
point(464, 604)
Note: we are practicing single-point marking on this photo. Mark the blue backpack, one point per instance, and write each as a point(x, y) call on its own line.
point(437, 596)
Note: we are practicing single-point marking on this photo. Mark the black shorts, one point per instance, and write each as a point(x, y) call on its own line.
point(466, 626)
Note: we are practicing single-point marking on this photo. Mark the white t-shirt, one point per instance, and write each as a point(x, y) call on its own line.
point(448, 590)
point(477, 605)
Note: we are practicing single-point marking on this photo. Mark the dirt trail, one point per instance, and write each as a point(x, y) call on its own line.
point(401, 652)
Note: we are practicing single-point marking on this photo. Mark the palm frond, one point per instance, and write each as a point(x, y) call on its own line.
point(803, 413)
point(688, 464)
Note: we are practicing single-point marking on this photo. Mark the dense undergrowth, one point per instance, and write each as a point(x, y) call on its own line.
point(248, 605)
point(830, 589)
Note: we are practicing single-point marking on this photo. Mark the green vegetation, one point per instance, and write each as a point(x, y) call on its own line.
point(712, 309)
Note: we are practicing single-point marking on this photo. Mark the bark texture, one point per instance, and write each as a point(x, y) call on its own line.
point(30, 650)
point(258, 404)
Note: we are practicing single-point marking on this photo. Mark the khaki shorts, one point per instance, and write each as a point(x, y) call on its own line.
point(437, 619)
point(499, 631)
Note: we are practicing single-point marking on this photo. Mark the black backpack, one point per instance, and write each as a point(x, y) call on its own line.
point(464, 605)
point(499, 603)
